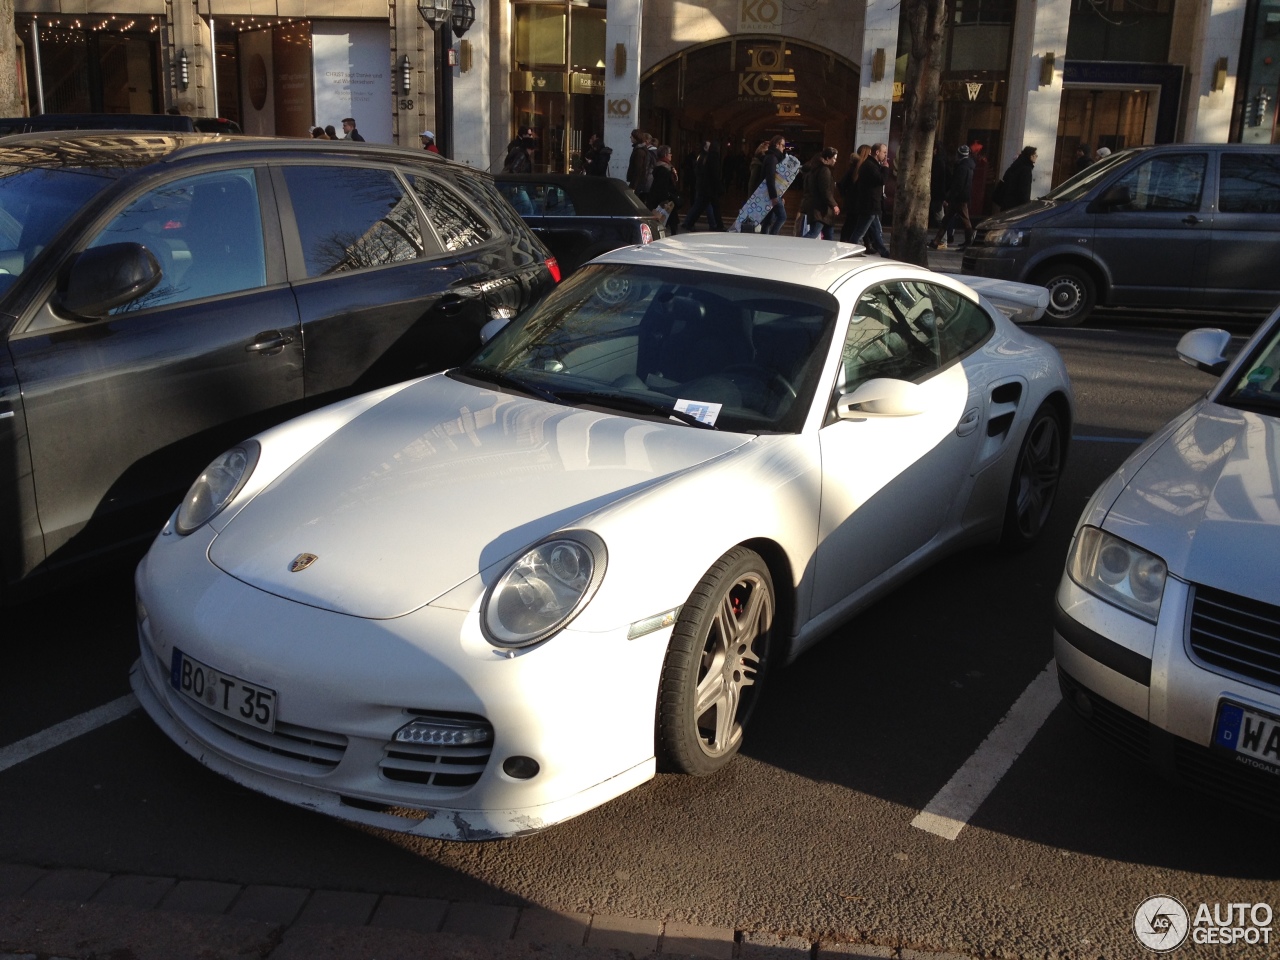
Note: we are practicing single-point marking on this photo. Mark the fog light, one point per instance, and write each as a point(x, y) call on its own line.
point(442, 733)
point(1084, 706)
point(520, 768)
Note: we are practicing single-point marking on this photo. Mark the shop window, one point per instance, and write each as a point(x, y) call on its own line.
point(1134, 31)
point(350, 218)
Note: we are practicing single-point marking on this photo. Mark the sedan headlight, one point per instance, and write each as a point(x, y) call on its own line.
point(216, 487)
point(544, 589)
point(1007, 237)
point(1116, 571)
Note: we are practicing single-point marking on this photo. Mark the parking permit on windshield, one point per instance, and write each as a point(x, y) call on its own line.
point(700, 410)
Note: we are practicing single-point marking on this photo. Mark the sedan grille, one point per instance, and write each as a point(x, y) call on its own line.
point(1235, 635)
point(438, 765)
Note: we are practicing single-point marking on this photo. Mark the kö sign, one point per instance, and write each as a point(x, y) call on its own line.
point(759, 16)
point(620, 108)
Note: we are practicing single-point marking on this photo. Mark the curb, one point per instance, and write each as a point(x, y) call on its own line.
point(68, 914)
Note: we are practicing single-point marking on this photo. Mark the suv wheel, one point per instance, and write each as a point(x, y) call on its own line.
point(1072, 294)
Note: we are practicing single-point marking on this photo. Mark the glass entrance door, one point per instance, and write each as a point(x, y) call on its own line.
point(1099, 118)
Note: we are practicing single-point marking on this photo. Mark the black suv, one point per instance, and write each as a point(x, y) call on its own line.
point(163, 296)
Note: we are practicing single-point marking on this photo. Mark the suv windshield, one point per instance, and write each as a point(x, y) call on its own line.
point(35, 204)
point(1086, 179)
point(1258, 387)
point(731, 352)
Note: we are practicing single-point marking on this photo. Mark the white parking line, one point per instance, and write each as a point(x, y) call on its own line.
point(948, 812)
point(60, 733)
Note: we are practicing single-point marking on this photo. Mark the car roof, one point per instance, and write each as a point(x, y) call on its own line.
point(598, 195)
point(813, 263)
point(120, 150)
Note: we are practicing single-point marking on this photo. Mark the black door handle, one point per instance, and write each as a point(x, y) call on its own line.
point(1191, 220)
point(451, 305)
point(269, 344)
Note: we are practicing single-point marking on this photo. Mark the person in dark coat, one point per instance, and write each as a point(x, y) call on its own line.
point(777, 215)
point(959, 190)
point(349, 128)
point(519, 156)
point(1014, 188)
point(1084, 157)
point(939, 174)
point(708, 185)
point(849, 191)
point(665, 188)
point(868, 194)
point(820, 203)
point(596, 157)
point(641, 163)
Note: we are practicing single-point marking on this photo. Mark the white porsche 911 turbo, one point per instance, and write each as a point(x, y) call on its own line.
point(479, 603)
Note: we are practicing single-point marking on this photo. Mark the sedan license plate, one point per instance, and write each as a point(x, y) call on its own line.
point(230, 696)
point(1253, 737)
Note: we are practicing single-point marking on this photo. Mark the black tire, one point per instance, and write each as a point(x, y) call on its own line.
point(1036, 478)
point(1072, 294)
point(715, 664)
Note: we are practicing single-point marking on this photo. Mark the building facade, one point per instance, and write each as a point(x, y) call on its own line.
point(1054, 73)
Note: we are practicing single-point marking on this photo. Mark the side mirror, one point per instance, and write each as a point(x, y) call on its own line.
point(1116, 195)
point(1205, 349)
point(881, 398)
point(97, 280)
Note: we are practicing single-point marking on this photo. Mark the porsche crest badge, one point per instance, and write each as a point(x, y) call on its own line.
point(302, 561)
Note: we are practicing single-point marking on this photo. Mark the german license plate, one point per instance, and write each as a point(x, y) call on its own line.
point(1253, 737)
point(230, 696)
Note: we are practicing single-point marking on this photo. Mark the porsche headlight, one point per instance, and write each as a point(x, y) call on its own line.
point(1116, 571)
point(216, 487)
point(544, 589)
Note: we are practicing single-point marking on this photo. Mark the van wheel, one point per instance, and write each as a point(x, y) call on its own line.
point(1072, 294)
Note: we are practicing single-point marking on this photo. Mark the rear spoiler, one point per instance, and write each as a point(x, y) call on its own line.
point(1020, 302)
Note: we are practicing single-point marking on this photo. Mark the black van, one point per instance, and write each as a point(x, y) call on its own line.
point(1177, 225)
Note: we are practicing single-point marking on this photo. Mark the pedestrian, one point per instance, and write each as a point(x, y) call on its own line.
point(1014, 188)
point(331, 133)
point(958, 192)
point(664, 191)
point(317, 133)
point(596, 157)
point(777, 215)
point(978, 190)
point(1083, 157)
point(519, 155)
point(939, 174)
point(1102, 154)
point(640, 165)
point(868, 191)
point(349, 130)
point(708, 185)
point(848, 192)
point(820, 203)
point(428, 139)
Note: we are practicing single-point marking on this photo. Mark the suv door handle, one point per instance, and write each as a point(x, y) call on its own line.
point(269, 343)
point(1191, 220)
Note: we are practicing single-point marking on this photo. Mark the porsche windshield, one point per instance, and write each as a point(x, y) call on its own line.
point(1258, 386)
point(731, 352)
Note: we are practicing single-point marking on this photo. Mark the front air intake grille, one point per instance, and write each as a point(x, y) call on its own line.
point(1130, 733)
point(1223, 775)
point(438, 765)
point(1235, 635)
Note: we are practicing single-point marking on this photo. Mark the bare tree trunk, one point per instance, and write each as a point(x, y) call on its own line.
point(925, 20)
point(10, 103)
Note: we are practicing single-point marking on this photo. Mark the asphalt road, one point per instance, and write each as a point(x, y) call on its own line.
point(808, 832)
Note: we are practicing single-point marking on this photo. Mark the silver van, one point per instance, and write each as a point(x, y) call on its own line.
point(1176, 225)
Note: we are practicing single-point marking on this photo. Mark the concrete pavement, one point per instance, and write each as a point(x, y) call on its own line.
point(67, 914)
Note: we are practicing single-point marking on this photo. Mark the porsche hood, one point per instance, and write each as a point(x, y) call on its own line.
point(1208, 501)
point(436, 483)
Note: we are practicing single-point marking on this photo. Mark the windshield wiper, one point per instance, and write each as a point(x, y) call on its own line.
point(489, 375)
point(633, 405)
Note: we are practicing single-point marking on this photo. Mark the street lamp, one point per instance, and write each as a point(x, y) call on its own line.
point(444, 17)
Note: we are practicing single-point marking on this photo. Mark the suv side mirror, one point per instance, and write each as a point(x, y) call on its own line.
point(1205, 349)
point(97, 280)
point(881, 397)
point(1116, 195)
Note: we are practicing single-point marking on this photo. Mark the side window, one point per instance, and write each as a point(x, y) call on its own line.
point(205, 231)
point(893, 333)
point(523, 197)
point(1249, 183)
point(1170, 182)
point(556, 202)
point(350, 218)
point(455, 222)
point(961, 325)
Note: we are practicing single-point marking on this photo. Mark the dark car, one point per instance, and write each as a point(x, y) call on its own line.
point(174, 123)
point(580, 217)
point(164, 296)
point(1177, 225)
